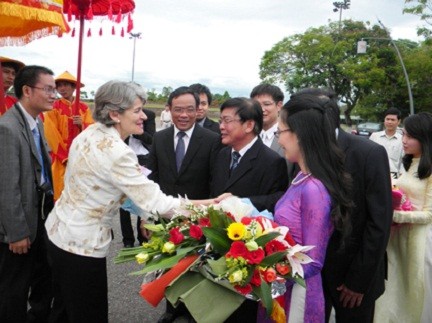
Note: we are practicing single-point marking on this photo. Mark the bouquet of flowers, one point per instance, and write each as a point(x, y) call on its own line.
point(400, 201)
point(250, 256)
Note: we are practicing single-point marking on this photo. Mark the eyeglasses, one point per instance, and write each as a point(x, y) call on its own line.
point(227, 120)
point(48, 89)
point(278, 132)
point(267, 104)
point(183, 110)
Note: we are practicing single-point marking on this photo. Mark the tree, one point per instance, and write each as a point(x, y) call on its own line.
point(423, 9)
point(323, 57)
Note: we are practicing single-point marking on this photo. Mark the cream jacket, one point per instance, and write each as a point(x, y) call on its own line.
point(101, 172)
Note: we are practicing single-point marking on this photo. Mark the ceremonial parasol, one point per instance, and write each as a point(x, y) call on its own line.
point(22, 21)
point(114, 10)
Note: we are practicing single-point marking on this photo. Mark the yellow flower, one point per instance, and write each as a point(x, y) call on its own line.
point(236, 231)
point(168, 247)
point(236, 277)
point(142, 257)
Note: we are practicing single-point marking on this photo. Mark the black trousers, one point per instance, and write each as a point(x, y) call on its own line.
point(127, 229)
point(21, 273)
point(362, 314)
point(80, 287)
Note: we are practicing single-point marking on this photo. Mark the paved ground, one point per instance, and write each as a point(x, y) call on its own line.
point(125, 304)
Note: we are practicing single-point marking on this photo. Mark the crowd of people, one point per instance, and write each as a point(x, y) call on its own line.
point(65, 171)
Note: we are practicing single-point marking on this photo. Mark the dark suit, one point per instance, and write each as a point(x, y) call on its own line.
point(195, 173)
point(211, 125)
point(21, 217)
point(362, 265)
point(261, 176)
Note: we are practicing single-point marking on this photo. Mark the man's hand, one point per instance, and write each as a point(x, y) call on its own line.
point(144, 232)
point(349, 298)
point(77, 120)
point(20, 247)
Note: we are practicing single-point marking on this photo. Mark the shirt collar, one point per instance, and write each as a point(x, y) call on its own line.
point(247, 147)
point(269, 134)
point(187, 132)
point(32, 122)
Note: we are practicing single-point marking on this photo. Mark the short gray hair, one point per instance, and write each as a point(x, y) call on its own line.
point(116, 96)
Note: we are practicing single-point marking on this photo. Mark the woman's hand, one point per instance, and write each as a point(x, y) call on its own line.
point(223, 196)
point(144, 232)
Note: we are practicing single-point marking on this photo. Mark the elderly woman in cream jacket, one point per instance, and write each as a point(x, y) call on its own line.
point(102, 171)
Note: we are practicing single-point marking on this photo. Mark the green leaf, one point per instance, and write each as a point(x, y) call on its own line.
point(264, 293)
point(219, 266)
point(218, 218)
point(265, 238)
point(273, 258)
point(218, 238)
point(154, 227)
point(299, 281)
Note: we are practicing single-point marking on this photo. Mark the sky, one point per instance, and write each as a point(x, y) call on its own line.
point(218, 43)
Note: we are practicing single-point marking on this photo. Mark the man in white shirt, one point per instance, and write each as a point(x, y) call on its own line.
point(271, 97)
point(391, 139)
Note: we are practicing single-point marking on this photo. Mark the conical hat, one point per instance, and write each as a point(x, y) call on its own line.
point(19, 65)
point(67, 77)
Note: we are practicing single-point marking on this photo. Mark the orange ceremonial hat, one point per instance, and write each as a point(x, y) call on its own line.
point(18, 65)
point(67, 77)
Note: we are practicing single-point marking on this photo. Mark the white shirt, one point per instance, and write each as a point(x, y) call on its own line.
point(101, 172)
point(268, 136)
point(186, 138)
point(393, 146)
point(245, 148)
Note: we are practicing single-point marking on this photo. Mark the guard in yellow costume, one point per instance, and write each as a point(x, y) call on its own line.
point(62, 126)
point(9, 68)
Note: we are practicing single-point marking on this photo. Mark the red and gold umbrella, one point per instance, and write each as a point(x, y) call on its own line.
point(114, 10)
point(22, 21)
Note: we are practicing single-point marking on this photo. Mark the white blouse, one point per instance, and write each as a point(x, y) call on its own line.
point(101, 172)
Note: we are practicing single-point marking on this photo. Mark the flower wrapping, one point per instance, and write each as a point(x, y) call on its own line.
point(247, 255)
point(400, 202)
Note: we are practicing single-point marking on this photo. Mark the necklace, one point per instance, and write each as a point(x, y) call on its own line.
point(298, 180)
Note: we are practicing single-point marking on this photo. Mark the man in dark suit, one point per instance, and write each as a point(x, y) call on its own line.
point(247, 168)
point(353, 277)
point(141, 144)
point(260, 173)
point(26, 198)
point(182, 157)
point(205, 97)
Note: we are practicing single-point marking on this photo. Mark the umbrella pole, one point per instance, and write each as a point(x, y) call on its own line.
point(2, 93)
point(78, 84)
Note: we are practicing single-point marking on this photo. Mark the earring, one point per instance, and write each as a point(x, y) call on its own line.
point(118, 121)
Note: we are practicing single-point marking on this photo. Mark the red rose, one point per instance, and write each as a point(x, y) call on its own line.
point(290, 239)
point(261, 219)
point(244, 289)
point(256, 278)
point(255, 257)
point(238, 249)
point(270, 275)
point(195, 231)
point(230, 216)
point(176, 236)
point(283, 269)
point(246, 220)
point(274, 246)
point(204, 222)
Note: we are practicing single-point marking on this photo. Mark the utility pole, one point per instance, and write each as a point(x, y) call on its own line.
point(340, 6)
point(134, 36)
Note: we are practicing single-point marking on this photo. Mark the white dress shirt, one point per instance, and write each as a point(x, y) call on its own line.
point(101, 172)
point(186, 138)
point(267, 136)
point(393, 146)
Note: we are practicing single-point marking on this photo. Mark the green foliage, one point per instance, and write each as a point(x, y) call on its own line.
point(218, 238)
point(422, 9)
point(321, 57)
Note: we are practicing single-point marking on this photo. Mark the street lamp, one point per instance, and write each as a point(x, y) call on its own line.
point(340, 6)
point(361, 49)
point(134, 36)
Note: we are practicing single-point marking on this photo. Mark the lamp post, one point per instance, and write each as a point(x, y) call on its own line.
point(361, 49)
point(340, 6)
point(134, 36)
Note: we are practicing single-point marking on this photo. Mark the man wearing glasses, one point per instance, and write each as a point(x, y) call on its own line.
point(62, 125)
point(182, 158)
point(25, 199)
point(270, 97)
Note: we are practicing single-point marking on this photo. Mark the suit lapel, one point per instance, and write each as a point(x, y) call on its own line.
point(27, 134)
point(194, 144)
point(245, 164)
point(343, 139)
point(276, 147)
point(169, 149)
